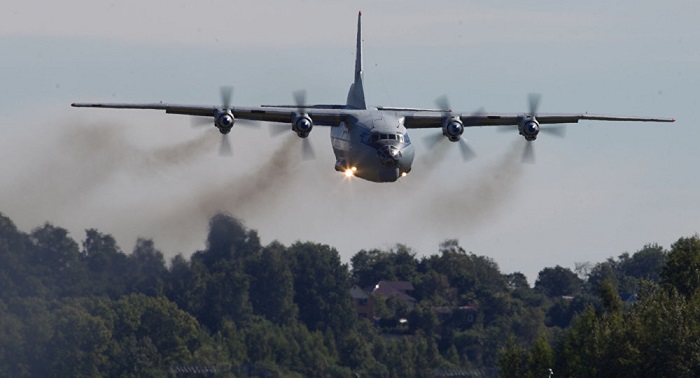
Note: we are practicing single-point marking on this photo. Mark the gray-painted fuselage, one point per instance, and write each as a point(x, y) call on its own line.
point(374, 146)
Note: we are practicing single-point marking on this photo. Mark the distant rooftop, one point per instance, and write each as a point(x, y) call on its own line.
point(396, 289)
point(357, 293)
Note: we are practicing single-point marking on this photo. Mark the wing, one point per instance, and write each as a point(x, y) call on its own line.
point(324, 116)
point(423, 120)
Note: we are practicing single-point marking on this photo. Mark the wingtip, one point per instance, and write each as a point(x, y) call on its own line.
point(359, 14)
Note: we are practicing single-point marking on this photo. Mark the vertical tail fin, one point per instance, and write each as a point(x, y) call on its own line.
point(356, 95)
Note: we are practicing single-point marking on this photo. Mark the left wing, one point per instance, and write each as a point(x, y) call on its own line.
point(324, 116)
point(423, 120)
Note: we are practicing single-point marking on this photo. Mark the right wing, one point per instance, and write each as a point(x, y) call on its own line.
point(428, 119)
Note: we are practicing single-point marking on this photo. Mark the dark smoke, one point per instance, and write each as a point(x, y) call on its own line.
point(105, 150)
point(259, 190)
point(57, 181)
point(257, 194)
point(481, 198)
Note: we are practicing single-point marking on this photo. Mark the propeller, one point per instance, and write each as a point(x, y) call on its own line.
point(225, 146)
point(528, 153)
point(300, 100)
point(443, 103)
point(431, 141)
point(307, 150)
point(533, 100)
point(226, 94)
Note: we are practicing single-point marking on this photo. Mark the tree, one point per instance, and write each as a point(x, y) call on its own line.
point(610, 297)
point(15, 269)
point(370, 267)
point(174, 333)
point(558, 281)
point(435, 288)
point(321, 287)
point(517, 281)
point(272, 285)
point(147, 269)
point(682, 270)
point(55, 260)
point(107, 264)
point(540, 358)
point(646, 263)
point(228, 239)
point(512, 360)
point(80, 343)
point(225, 295)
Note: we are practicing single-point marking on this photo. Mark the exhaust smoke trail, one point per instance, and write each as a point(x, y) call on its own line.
point(58, 180)
point(486, 193)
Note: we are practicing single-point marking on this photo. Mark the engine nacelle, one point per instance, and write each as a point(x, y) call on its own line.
point(224, 121)
point(453, 128)
point(529, 128)
point(302, 125)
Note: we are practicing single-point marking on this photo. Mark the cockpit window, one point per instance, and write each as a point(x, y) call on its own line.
point(376, 137)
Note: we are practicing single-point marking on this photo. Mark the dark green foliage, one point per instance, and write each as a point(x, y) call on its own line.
point(558, 282)
point(658, 337)
point(646, 263)
point(271, 289)
point(147, 269)
point(627, 272)
point(682, 270)
point(89, 309)
point(370, 267)
point(106, 264)
point(512, 360)
point(321, 287)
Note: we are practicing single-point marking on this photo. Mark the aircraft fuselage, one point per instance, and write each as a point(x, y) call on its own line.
point(374, 146)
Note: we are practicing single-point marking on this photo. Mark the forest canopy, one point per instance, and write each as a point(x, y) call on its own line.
point(240, 308)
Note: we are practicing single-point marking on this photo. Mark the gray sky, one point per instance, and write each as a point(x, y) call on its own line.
point(605, 189)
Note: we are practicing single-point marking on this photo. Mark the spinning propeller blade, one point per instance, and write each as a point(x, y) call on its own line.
point(225, 146)
point(431, 141)
point(528, 153)
point(307, 150)
point(533, 101)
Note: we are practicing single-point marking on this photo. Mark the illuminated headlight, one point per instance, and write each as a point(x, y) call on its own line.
point(349, 172)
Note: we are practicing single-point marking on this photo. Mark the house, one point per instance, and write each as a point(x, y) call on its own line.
point(364, 304)
point(397, 289)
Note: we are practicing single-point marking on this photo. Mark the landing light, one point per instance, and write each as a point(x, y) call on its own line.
point(403, 174)
point(349, 172)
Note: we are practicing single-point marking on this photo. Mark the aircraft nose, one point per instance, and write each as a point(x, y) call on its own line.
point(389, 156)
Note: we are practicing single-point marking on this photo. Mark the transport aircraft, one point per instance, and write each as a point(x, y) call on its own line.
point(372, 143)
